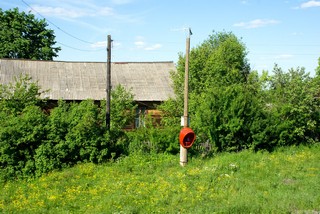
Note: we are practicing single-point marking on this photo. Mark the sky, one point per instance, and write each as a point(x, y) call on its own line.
point(285, 32)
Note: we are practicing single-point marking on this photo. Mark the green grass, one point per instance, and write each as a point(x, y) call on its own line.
point(285, 181)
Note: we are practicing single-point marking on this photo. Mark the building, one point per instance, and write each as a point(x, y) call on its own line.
point(75, 81)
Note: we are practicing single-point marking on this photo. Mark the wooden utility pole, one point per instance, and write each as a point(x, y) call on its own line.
point(184, 151)
point(108, 83)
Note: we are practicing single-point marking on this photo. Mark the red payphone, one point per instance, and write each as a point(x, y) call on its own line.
point(187, 137)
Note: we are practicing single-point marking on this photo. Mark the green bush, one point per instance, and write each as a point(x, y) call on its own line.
point(20, 93)
point(32, 142)
point(232, 108)
point(75, 134)
point(291, 109)
point(154, 139)
point(22, 127)
point(20, 136)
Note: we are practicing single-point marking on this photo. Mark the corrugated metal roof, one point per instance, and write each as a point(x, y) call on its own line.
point(148, 81)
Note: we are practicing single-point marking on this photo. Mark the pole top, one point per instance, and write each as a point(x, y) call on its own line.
point(190, 32)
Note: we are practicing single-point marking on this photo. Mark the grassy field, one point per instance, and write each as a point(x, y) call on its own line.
point(285, 181)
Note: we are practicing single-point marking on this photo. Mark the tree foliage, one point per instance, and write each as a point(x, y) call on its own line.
point(232, 108)
point(75, 134)
point(220, 93)
point(23, 36)
point(291, 109)
point(22, 126)
point(33, 142)
point(19, 94)
point(219, 60)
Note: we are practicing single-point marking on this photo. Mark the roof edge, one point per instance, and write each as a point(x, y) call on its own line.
point(124, 62)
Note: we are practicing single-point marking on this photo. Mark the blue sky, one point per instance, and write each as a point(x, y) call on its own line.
point(285, 32)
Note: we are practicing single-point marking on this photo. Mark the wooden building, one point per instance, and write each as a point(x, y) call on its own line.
point(75, 81)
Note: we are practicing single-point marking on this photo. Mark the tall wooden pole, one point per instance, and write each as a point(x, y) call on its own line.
point(184, 151)
point(108, 83)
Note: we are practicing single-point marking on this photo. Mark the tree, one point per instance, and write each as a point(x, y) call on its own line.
point(221, 90)
point(291, 108)
point(221, 59)
point(16, 96)
point(23, 36)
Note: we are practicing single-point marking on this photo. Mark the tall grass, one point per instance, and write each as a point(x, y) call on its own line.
point(285, 181)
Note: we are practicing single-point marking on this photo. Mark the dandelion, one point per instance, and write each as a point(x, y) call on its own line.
point(52, 197)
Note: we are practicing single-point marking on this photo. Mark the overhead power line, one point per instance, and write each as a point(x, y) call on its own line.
point(65, 32)
point(78, 49)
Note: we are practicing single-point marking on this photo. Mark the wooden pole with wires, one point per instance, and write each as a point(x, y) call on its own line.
point(108, 83)
point(184, 151)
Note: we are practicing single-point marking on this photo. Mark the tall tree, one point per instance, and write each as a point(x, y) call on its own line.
point(292, 108)
point(221, 59)
point(222, 92)
point(25, 37)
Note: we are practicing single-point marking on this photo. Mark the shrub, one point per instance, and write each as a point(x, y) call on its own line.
point(291, 108)
point(154, 139)
point(32, 143)
point(20, 93)
point(75, 134)
point(20, 136)
point(22, 127)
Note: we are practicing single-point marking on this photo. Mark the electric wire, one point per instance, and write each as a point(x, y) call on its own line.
point(78, 49)
point(88, 42)
point(65, 32)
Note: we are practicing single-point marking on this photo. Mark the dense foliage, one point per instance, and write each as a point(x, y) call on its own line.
point(24, 36)
point(231, 108)
point(33, 142)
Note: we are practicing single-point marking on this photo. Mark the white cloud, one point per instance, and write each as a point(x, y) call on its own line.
point(311, 3)
point(72, 12)
point(116, 45)
point(102, 44)
point(141, 44)
point(244, 2)
point(153, 47)
point(104, 11)
point(58, 11)
point(121, 1)
point(257, 23)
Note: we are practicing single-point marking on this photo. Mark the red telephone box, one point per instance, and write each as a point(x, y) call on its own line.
point(187, 137)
